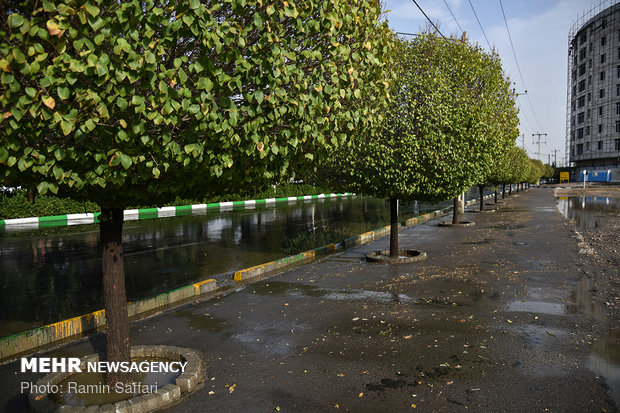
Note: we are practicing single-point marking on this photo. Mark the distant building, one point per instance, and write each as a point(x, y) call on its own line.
point(593, 103)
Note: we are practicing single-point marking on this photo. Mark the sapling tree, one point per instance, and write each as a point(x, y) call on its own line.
point(137, 102)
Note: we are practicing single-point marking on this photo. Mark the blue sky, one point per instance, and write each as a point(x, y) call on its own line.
point(539, 30)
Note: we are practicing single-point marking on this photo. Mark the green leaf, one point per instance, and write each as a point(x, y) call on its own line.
point(125, 160)
point(92, 10)
point(63, 92)
point(43, 187)
point(66, 127)
point(259, 96)
point(71, 77)
point(15, 20)
point(194, 4)
point(58, 172)
point(156, 172)
point(60, 154)
point(205, 83)
point(48, 6)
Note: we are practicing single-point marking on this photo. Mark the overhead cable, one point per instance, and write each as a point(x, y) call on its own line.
point(517, 62)
point(479, 24)
point(454, 17)
point(429, 20)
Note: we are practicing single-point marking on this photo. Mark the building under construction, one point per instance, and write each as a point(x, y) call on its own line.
point(593, 103)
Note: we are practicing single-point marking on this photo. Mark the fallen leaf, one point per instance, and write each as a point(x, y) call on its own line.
point(361, 395)
point(211, 393)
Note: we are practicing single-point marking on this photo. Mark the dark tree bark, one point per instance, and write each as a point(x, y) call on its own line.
point(495, 194)
point(503, 191)
point(30, 194)
point(509, 189)
point(456, 216)
point(115, 298)
point(394, 227)
point(481, 189)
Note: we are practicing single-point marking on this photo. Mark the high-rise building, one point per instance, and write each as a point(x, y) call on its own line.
point(593, 103)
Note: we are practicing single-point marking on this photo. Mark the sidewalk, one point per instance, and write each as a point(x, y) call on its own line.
point(496, 319)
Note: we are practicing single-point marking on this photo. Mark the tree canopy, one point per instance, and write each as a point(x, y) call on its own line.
point(128, 102)
point(451, 114)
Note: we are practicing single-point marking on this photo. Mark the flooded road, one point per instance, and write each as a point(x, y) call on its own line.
point(58, 271)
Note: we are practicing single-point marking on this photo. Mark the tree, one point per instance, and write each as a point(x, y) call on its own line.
point(126, 103)
point(517, 167)
point(537, 170)
point(438, 135)
point(495, 173)
point(549, 172)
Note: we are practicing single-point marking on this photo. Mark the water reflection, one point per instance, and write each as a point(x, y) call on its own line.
point(57, 272)
point(605, 361)
point(587, 211)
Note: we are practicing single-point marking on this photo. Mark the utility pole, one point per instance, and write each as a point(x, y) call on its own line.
point(523, 141)
point(539, 135)
point(555, 157)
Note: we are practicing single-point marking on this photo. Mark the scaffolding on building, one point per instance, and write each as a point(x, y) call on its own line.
point(606, 117)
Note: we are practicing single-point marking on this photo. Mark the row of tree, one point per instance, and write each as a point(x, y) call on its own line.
point(137, 102)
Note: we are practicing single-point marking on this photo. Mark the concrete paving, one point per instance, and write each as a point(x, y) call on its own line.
point(497, 319)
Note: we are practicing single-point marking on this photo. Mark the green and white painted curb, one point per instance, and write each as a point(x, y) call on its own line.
point(22, 224)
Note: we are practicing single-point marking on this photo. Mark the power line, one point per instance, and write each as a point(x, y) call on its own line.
point(430, 21)
point(512, 45)
point(454, 17)
point(479, 24)
point(517, 62)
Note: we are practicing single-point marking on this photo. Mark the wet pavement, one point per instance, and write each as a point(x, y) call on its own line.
point(499, 318)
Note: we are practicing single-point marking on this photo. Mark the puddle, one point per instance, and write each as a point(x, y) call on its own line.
point(277, 338)
point(605, 361)
point(539, 307)
point(586, 303)
point(202, 322)
point(293, 289)
point(535, 336)
point(586, 212)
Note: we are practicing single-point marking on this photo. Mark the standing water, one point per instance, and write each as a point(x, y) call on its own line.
point(53, 274)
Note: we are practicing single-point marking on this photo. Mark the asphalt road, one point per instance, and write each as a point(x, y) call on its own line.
point(499, 318)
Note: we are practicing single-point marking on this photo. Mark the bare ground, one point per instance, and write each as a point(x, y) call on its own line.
point(590, 190)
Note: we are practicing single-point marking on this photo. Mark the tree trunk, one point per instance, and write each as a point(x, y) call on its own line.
point(115, 299)
point(503, 191)
point(30, 195)
point(496, 195)
point(481, 189)
point(456, 216)
point(509, 189)
point(394, 227)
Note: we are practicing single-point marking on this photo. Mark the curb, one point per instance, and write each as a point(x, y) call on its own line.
point(73, 328)
point(21, 224)
point(67, 330)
